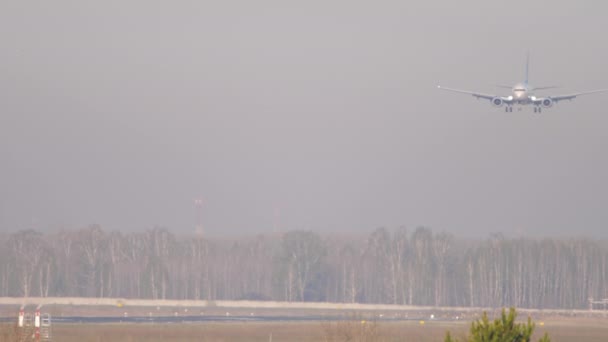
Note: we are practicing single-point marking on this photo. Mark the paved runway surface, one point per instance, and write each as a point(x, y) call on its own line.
point(195, 319)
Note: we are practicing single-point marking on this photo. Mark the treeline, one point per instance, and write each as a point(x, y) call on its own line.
point(388, 266)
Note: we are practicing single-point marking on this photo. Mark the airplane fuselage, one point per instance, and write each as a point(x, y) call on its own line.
point(521, 93)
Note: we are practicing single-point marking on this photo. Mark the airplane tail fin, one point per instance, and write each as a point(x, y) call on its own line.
point(527, 65)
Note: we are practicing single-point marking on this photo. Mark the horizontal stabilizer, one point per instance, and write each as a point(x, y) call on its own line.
point(545, 87)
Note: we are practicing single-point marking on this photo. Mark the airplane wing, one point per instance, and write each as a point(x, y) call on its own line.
point(475, 94)
point(572, 96)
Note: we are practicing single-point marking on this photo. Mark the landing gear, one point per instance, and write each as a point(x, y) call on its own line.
point(537, 110)
point(508, 109)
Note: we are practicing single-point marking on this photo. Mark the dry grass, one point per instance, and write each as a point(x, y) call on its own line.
point(348, 330)
point(189, 332)
point(8, 332)
point(356, 329)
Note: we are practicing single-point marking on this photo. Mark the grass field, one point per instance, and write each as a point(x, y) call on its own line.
point(579, 330)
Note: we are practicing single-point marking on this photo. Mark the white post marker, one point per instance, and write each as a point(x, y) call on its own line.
point(37, 324)
point(21, 314)
point(37, 319)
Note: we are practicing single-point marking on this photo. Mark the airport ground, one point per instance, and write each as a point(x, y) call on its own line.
point(221, 323)
point(570, 330)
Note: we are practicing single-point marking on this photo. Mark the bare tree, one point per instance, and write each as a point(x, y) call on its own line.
point(302, 255)
point(160, 246)
point(92, 246)
point(441, 246)
point(387, 266)
point(27, 253)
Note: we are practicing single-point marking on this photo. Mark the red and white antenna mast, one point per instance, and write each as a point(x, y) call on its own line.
point(198, 217)
point(276, 220)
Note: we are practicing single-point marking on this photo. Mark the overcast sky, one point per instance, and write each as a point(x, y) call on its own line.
point(316, 115)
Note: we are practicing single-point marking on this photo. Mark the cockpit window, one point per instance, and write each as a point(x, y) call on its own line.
point(519, 89)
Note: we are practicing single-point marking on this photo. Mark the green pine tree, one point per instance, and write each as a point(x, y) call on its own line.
point(503, 329)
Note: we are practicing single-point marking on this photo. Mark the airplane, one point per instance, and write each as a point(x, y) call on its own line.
point(522, 94)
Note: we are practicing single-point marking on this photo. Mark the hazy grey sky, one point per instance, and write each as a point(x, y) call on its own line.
point(122, 112)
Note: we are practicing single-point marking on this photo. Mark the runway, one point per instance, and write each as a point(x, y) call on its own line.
point(203, 319)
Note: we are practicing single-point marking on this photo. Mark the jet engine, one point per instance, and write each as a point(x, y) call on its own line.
point(497, 102)
point(547, 103)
